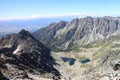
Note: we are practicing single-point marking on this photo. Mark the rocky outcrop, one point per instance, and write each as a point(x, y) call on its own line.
point(21, 54)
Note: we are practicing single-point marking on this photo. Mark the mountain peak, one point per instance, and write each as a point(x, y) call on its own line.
point(76, 19)
point(63, 21)
point(23, 30)
point(24, 33)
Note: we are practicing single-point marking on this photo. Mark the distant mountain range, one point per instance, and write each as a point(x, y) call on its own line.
point(79, 32)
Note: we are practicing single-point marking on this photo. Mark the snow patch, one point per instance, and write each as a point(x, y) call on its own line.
point(17, 50)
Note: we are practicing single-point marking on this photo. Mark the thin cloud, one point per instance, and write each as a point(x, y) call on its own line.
point(55, 16)
point(35, 16)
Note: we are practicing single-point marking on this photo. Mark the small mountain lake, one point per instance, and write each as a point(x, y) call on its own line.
point(85, 61)
point(70, 60)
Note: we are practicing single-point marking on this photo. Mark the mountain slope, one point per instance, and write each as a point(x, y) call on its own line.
point(21, 54)
point(46, 34)
point(82, 32)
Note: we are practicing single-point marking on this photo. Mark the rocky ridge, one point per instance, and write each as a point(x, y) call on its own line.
point(79, 31)
point(21, 55)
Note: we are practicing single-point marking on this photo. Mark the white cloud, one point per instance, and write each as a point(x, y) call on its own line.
point(54, 15)
point(32, 17)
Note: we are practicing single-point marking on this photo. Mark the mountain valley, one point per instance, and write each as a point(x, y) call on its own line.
point(93, 39)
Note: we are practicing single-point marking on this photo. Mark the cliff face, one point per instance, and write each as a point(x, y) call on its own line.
point(21, 54)
point(83, 31)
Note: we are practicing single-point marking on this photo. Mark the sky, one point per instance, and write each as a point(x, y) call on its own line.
point(16, 9)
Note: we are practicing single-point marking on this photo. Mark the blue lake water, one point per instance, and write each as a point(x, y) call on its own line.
point(70, 60)
point(85, 61)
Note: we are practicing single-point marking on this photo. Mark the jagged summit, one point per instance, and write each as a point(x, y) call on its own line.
point(62, 21)
point(24, 32)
